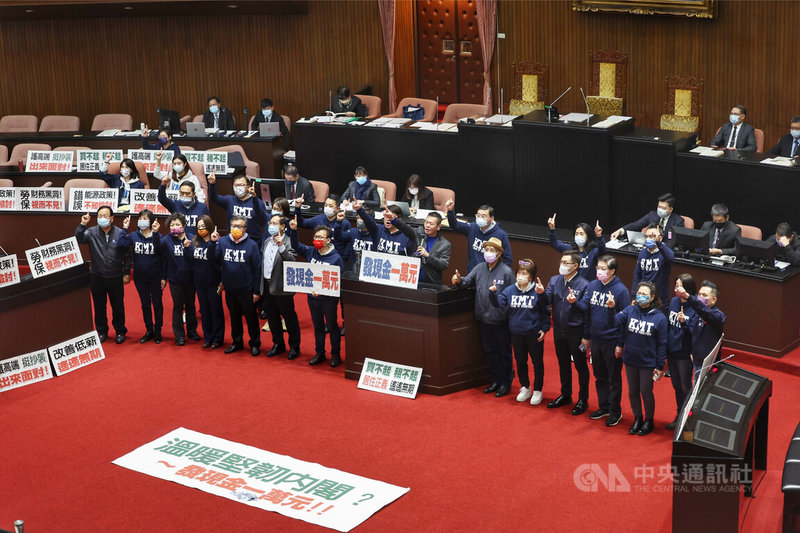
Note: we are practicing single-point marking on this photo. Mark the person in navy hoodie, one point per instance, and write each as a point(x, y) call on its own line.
point(199, 255)
point(164, 141)
point(602, 300)
point(483, 229)
point(654, 263)
point(127, 179)
point(181, 282)
point(187, 204)
point(387, 237)
point(326, 218)
point(589, 243)
point(148, 265)
point(643, 346)
point(322, 308)
point(528, 321)
point(355, 239)
point(243, 203)
point(679, 350)
point(362, 188)
point(241, 276)
point(562, 294)
point(708, 323)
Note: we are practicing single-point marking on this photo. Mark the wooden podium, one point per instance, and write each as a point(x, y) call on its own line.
point(432, 327)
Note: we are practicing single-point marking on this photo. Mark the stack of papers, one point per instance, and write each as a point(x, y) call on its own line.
point(780, 161)
point(108, 133)
point(422, 214)
point(706, 151)
point(430, 126)
point(575, 117)
point(611, 121)
point(614, 244)
point(500, 119)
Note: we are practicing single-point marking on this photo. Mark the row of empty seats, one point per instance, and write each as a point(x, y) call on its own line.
point(30, 123)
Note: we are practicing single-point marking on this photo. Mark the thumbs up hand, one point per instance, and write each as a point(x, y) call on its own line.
point(456, 278)
point(610, 303)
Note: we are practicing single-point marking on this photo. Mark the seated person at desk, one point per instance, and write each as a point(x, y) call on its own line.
point(735, 134)
point(789, 143)
point(180, 174)
point(723, 231)
point(268, 114)
point(348, 104)
point(187, 204)
point(432, 248)
point(297, 186)
point(387, 237)
point(163, 142)
point(362, 188)
point(218, 116)
point(127, 179)
point(417, 195)
point(662, 217)
point(788, 249)
point(482, 229)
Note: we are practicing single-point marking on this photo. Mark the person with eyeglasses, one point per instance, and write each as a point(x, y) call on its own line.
point(588, 241)
point(199, 255)
point(735, 134)
point(643, 346)
point(242, 203)
point(528, 322)
point(562, 294)
point(481, 230)
point(602, 300)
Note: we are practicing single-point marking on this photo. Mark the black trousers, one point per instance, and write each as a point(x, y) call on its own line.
point(568, 345)
point(152, 305)
point(680, 372)
point(524, 345)
point(211, 315)
point(111, 289)
point(240, 304)
point(640, 390)
point(323, 310)
point(183, 301)
point(496, 340)
point(277, 307)
point(608, 377)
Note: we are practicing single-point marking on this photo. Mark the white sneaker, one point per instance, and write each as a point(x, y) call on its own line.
point(536, 399)
point(524, 394)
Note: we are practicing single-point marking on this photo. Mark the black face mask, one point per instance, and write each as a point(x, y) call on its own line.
point(719, 225)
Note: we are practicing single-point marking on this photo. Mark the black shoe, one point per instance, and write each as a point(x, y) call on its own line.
point(233, 348)
point(580, 408)
point(597, 415)
point(336, 360)
point(263, 315)
point(341, 331)
point(214, 346)
point(317, 359)
point(502, 390)
point(613, 420)
point(276, 349)
point(255, 350)
point(102, 337)
point(180, 341)
point(206, 345)
point(490, 388)
point(293, 353)
point(326, 330)
point(194, 336)
point(157, 337)
point(671, 426)
point(560, 402)
point(147, 336)
point(647, 427)
point(120, 338)
point(637, 425)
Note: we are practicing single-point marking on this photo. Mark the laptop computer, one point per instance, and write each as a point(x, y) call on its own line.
point(269, 130)
point(636, 238)
point(195, 129)
point(403, 207)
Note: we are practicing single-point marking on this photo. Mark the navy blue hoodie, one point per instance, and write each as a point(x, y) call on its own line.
point(354, 241)
point(241, 264)
point(680, 338)
point(148, 259)
point(600, 326)
point(201, 260)
point(312, 255)
point(588, 256)
point(252, 209)
point(476, 238)
point(192, 213)
point(115, 182)
point(565, 314)
point(643, 333)
point(322, 220)
point(655, 267)
point(387, 242)
point(527, 312)
point(177, 270)
point(706, 327)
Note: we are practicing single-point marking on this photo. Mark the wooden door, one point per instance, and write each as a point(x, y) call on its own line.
point(449, 59)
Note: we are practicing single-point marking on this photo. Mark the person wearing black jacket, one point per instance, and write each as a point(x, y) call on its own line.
point(218, 115)
point(362, 188)
point(664, 217)
point(432, 248)
point(347, 103)
point(417, 195)
point(268, 114)
point(111, 269)
point(789, 143)
point(297, 187)
point(788, 244)
point(708, 323)
point(722, 231)
point(735, 134)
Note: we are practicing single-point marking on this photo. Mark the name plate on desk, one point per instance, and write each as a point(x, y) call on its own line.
point(149, 158)
point(89, 160)
point(320, 278)
point(40, 161)
point(31, 198)
point(390, 378)
point(389, 269)
point(83, 200)
point(9, 270)
point(216, 162)
point(54, 257)
point(148, 199)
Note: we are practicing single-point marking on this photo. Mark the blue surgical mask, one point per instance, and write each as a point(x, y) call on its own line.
point(580, 240)
point(735, 119)
point(662, 213)
point(103, 222)
point(361, 180)
point(162, 141)
point(177, 168)
point(267, 113)
point(641, 299)
point(650, 243)
point(143, 224)
point(360, 224)
point(214, 109)
point(186, 201)
point(276, 212)
point(481, 222)
point(795, 134)
point(273, 229)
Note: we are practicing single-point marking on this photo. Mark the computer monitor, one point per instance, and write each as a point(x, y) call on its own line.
point(759, 252)
point(169, 119)
point(691, 240)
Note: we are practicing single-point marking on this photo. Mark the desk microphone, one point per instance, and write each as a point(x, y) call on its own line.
point(437, 112)
point(330, 101)
point(37, 242)
point(501, 107)
point(552, 112)
point(588, 113)
point(4, 251)
point(246, 121)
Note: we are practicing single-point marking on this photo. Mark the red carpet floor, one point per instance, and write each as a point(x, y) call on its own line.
point(473, 462)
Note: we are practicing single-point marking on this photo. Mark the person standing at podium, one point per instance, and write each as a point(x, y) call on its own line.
point(432, 248)
point(789, 143)
point(492, 321)
point(484, 228)
point(387, 237)
point(679, 349)
point(735, 134)
point(708, 323)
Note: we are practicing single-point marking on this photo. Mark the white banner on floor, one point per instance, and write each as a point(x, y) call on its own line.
point(279, 483)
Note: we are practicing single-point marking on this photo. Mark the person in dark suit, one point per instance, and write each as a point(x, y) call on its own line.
point(362, 188)
point(268, 114)
point(789, 143)
point(736, 134)
point(297, 186)
point(722, 240)
point(347, 103)
point(663, 217)
point(788, 244)
point(432, 248)
point(218, 115)
point(417, 195)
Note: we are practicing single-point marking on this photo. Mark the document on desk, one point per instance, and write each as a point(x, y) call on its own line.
point(781, 265)
point(780, 161)
point(108, 133)
point(500, 119)
point(430, 126)
point(614, 244)
point(576, 117)
point(399, 120)
point(706, 151)
point(611, 121)
point(422, 214)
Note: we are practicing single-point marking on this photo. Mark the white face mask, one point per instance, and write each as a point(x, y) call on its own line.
point(239, 190)
point(125, 172)
point(564, 270)
point(413, 191)
point(522, 280)
point(329, 211)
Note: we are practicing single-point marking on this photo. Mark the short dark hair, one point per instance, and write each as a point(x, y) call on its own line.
point(530, 268)
point(656, 303)
point(488, 208)
point(396, 210)
point(104, 207)
point(436, 215)
point(328, 231)
point(719, 210)
point(795, 118)
point(176, 216)
point(146, 213)
point(238, 217)
point(334, 197)
point(240, 175)
point(290, 169)
point(128, 162)
point(574, 256)
point(282, 204)
point(669, 198)
point(342, 92)
point(281, 221)
point(610, 261)
point(688, 283)
point(266, 102)
point(742, 109)
point(213, 98)
point(361, 170)
point(711, 285)
point(189, 184)
point(166, 130)
point(653, 226)
point(784, 229)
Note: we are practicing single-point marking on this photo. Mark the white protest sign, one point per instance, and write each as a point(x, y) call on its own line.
point(76, 353)
point(41, 161)
point(389, 269)
point(147, 199)
point(24, 370)
point(321, 278)
point(279, 483)
point(31, 198)
point(54, 257)
point(216, 162)
point(150, 157)
point(9, 270)
point(390, 378)
point(89, 200)
point(89, 160)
